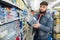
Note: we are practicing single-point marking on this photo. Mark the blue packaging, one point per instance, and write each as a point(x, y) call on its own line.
point(14, 1)
point(21, 24)
point(14, 11)
point(29, 18)
point(2, 13)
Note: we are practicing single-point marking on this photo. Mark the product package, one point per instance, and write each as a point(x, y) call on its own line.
point(29, 18)
point(21, 24)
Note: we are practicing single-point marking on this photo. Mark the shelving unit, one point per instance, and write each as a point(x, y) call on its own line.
point(8, 32)
point(9, 3)
point(9, 21)
point(56, 33)
point(27, 30)
point(10, 28)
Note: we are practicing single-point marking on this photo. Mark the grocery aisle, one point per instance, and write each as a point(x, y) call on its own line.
point(9, 20)
point(14, 15)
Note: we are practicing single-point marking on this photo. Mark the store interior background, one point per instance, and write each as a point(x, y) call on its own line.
point(16, 28)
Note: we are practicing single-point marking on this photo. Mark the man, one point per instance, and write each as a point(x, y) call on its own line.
point(44, 27)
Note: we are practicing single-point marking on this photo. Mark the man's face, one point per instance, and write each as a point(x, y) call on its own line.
point(43, 8)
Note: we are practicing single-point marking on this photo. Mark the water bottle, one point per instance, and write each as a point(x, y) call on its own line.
point(29, 18)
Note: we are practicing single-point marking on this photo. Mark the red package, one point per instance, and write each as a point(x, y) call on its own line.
point(17, 38)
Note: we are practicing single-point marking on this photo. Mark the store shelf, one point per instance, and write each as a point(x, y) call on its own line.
point(24, 37)
point(57, 32)
point(9, 21)
point(9, 3)
point(6, 36)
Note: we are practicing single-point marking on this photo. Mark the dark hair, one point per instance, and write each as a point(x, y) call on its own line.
point(44, 3)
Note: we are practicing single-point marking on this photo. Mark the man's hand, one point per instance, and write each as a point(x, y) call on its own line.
point(36, 25)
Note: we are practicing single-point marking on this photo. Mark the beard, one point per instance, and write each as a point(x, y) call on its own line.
point(42, 12)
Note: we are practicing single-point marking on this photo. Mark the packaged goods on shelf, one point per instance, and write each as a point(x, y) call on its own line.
point(7, 14)
point(21, 24)
point(56, 15)
point(11, 31)
point(18, 2)
point(11, 35)
point(10, 3)
point(17, 38)
point(29, 18)
point(3, 34)
point(13, 1)
point(9, 20)
point(57, 22)
point(6, 0)
point(57, 36)
point(2, 15)
point(10, 15)
point(57, 28)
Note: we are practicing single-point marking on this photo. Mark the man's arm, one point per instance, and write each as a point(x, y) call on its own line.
point(49, 26)
point(44, 28)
